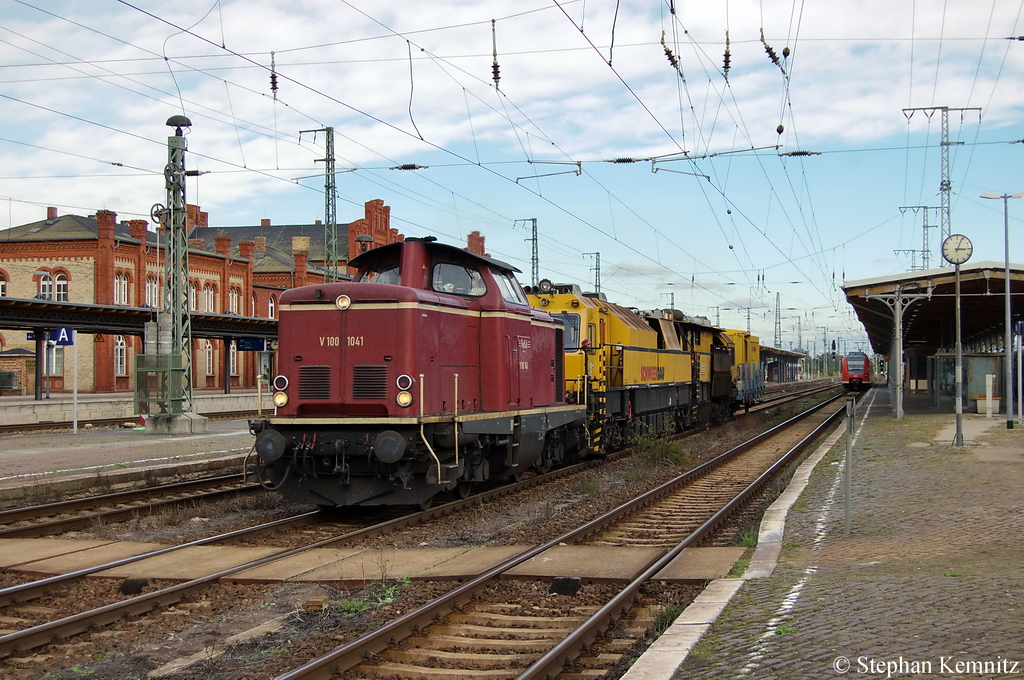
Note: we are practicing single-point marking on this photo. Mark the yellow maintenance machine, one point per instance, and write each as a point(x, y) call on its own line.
point(638, 372)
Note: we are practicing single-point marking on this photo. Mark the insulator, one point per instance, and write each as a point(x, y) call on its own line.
point(671, 58)
point(785, 52)
point(727, 57)
point(496, 71)
point(623, 160)
point(273, 82)
point(780, 129)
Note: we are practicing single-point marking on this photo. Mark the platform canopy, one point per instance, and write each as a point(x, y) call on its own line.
point(928, 297)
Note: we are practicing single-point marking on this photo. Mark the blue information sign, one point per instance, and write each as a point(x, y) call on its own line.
point(251, 344)
point(65, 335)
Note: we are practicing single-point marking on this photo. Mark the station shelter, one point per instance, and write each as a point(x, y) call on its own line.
point(910, 318)
point(782, 366)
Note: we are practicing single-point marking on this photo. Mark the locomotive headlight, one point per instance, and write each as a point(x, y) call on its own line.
point(343, 302)
point(280, 399)
point(404, 399)
point(404, 382)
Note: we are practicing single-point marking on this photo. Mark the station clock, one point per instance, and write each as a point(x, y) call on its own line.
point(957, 249)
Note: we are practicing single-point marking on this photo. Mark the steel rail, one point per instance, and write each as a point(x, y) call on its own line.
point(89, 502)
point(552, 662)
point(72, 625)
point(375, 642)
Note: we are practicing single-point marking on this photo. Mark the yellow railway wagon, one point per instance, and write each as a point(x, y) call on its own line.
point(637, 372)
point(748, 375)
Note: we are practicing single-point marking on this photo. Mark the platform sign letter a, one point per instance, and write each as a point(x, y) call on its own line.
point(65, 335)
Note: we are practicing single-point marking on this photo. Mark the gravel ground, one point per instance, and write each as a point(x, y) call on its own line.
point(132, 649)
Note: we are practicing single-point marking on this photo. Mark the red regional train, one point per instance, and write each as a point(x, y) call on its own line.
point(427, 372)
point(856, 369)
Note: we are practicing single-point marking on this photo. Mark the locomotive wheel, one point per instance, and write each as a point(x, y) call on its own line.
point(425, 505)
point(463, 489)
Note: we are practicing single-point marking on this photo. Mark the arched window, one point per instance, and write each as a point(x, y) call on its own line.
point(209, 357)
point(233, 300)
point(233, 358)
point(192, 296)
point(61, 281)
point(254, 312)
point(272, 308)
point(120, 356)
point(120, 289)
point(153, 292)
point(208, 305)
point(45, 286)
point(3, 287)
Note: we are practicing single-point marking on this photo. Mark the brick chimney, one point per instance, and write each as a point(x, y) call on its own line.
point(137, 229)
point(51, 215)
point(245, 249)
point(475, 243)
point(259, 244)
point(223, 244)
point(104, 281)
point(197, 243)
point(300, 244)
point(265, 222)
point(196, 218)
point(301, 259)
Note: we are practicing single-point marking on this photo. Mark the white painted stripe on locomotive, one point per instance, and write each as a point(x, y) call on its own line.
point(414, 420)
point(375, 306)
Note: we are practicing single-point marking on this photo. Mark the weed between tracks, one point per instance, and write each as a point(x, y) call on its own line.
point(180, 523)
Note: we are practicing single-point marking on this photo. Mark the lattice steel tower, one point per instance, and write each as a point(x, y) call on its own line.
point(174, 222)
point(330, 206)
point(945, 184)
point(778, 321)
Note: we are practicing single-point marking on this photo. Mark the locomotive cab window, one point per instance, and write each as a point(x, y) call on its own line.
point(458, 280)
point(572, 330)
point(511, 291)
point(382, 274)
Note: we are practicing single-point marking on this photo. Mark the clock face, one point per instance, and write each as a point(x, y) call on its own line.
point(957, 249)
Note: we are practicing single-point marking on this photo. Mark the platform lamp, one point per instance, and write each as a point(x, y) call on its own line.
point(1008, 397)
point(364, 240)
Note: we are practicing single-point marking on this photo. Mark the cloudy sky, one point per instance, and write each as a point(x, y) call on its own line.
point(800, 167)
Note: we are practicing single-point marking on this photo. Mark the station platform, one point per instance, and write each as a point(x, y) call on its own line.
point(929, 583)
point(60, 407)
point(42, 466)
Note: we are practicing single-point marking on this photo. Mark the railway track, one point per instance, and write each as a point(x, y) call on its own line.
point(465, 634)
point(64, 516)
point(641, 614)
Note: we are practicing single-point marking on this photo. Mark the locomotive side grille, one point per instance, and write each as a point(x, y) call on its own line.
point(314, 382)
point(369, 382)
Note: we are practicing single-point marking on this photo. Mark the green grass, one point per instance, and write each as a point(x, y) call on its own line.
point(665, 616)
point(749, 539)
point(784, 630)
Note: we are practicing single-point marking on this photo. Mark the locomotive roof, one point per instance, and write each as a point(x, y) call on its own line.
point(432, 245)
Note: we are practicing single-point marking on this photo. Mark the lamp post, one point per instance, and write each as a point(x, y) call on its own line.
point(364, 240)
point(1008, 397)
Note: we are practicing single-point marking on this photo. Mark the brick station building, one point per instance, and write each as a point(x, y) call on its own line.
point(99, 260)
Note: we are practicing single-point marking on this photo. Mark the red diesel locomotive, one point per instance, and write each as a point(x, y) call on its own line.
point(427, 372)
point(856, 370)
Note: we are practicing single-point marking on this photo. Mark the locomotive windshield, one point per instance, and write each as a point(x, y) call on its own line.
point(571, 336)
point(382, 274)
point(511, 291)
